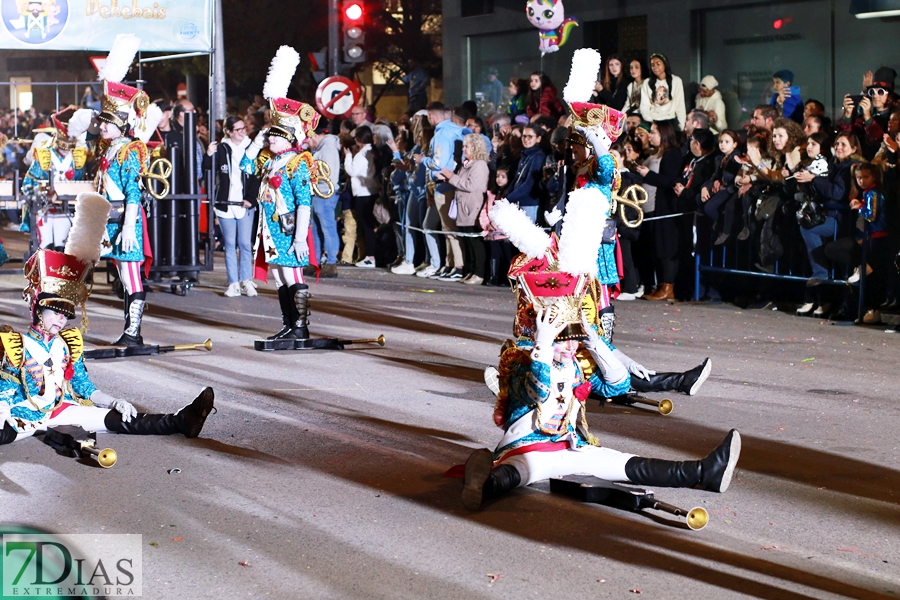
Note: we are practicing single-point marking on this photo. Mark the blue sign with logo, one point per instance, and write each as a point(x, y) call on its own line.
point(35, 22)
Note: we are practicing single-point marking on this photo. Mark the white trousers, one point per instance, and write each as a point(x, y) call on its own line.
point(598, 461)
point(91, 418)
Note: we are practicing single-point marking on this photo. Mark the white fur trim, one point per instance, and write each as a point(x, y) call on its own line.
point(88, 227)
point(583, 76)
point(151, 120)
point(582, 230)
point(80, 122)
point(281, 71)
point(517, 226)
point(120, 57)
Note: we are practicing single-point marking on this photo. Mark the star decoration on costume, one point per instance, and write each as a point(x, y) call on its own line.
point(272, 252)
point(106, 244)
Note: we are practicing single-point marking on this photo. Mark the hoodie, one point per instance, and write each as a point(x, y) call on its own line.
point(717, 104)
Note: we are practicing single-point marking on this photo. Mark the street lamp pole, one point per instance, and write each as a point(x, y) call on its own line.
point(334, 45)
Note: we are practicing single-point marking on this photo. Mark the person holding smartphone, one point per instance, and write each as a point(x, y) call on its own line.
point(867, 116)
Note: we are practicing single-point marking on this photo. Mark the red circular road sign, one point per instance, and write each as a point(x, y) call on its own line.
point(336, 96)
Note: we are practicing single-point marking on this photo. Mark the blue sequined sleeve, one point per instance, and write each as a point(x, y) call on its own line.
point(248, 165)
point(130, 173)
point(300, 186)
point(35, 173)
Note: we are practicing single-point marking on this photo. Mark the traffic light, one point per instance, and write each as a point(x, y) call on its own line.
point(353, 15)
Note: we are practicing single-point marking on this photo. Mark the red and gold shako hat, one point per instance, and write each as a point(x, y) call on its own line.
point(290, 117)
point(123, 105)
point(57, 281)
point(610, 120)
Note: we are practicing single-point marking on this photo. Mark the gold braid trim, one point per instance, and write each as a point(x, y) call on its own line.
point(42, 155)
point(79, 157)
point(13, 349)
point(307, 158)
point(262, 158)
point(74, 341)
point(142, 151)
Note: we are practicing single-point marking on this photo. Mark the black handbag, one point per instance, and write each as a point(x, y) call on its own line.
point(609, 231)
point(766, 206)
point(810, 213)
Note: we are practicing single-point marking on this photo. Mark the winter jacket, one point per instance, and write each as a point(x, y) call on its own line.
point(548, 104)
point(471, 184)
point(525, 188)
point(713, 103)
point(793, 105)
point(224, 175)
point(441, 152)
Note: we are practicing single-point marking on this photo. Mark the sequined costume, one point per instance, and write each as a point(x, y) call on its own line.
point(119, 179)
point(291, 172)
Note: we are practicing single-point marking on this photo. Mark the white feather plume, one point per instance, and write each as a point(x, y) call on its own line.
point(281, 71)
point(124, 48)
point(80, 122)
point(530, 239)
point(151, 120)
point(88, 227)
point(583, 76)
point(582, 230)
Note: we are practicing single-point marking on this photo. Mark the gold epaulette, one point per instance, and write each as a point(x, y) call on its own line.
point(13, 350)
point(262, 158)
point(303, 157)
point(79, 157)
point(73, 339)
point(42, 156)
point(142, 152)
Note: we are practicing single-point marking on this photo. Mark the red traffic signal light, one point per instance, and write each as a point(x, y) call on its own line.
point(353, 11)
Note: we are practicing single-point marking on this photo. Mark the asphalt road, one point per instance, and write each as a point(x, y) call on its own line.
point(322, 472)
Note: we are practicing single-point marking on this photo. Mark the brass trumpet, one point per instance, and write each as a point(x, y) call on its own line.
point(664, 406)
point(160, 170)
point(325, 177)
point(634, 196)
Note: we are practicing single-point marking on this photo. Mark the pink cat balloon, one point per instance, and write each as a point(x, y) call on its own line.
point(550, 17)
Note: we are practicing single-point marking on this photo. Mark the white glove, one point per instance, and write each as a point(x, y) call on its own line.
point(553, 216)
point(634, 367)
point(128, 235)
point(547, 328)
point(300, 245)
point(600, 144)
point(257, 144)
point(104, 400)
point(6, 417)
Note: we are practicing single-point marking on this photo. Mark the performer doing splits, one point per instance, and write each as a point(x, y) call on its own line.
point(124, 159)
point(43, 380)
point(542, 388)
point(287, 175)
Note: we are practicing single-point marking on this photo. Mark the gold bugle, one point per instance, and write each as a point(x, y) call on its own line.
point(697, 518)
point(106, 457)
point(207, 345)
point(664, 406)
point(379, 340)
point(632, 197)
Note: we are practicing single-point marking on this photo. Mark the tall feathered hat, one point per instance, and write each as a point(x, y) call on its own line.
point(71, 123)
point(555, 274)
point(578, 90)
point(61, 281)
point(122, 105)
point(290, 119)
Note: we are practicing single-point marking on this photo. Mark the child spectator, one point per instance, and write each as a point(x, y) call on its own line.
point(721, 190)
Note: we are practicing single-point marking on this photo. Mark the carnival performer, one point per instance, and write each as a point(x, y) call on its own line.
point(128, 119)
point(287, 174)
point(62, 158)
point(43, 379)
point(541, 404)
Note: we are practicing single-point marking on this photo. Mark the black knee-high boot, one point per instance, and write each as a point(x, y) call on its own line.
point(688, 382)
point(287, 311)
point(134, 314)
point(299, 297)
point(484, 481)
point(713, 473)
point(188, 421)
point(7, 434)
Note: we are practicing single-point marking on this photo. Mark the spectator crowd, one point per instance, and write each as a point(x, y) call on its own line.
point(790, 192)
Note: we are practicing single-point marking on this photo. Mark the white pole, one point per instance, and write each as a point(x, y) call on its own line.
point(218, 108)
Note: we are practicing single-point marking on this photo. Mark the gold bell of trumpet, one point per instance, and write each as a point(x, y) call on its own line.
point(324, 172)
point(633, 197)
